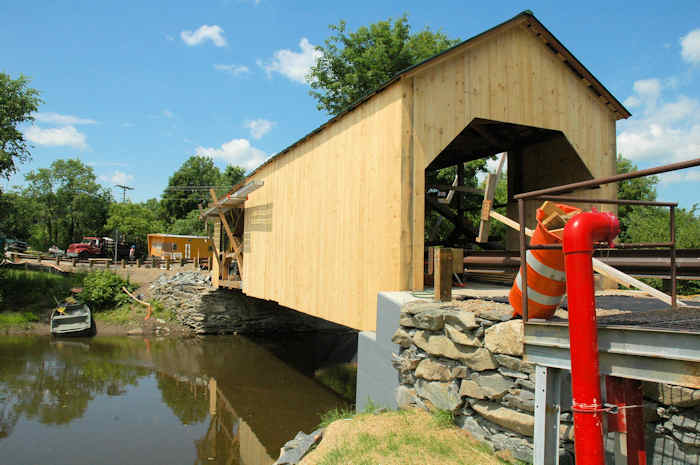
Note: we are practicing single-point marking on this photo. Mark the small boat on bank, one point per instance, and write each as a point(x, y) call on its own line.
point(71, 319)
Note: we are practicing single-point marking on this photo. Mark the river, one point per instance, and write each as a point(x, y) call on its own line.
point(125, 400)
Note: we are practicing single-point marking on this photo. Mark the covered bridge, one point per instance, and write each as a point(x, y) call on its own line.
point(339, 216)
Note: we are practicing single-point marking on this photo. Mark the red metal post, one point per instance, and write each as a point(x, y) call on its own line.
point(579, 235)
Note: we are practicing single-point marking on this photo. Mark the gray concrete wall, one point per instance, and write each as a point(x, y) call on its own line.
point(376, 378)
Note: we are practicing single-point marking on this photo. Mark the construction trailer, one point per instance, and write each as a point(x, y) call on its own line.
point(339, 216)
point(175, 246)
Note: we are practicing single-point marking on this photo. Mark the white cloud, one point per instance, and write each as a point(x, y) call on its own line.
point(233, 70)
point(647, 92)
point(204, 33)
point(57, 118)
point(235, 152)
point(688, 175)
point(690, 47)
point(665, 131)
point(118, 177)
point(259, 127)
point(65, 136)
point(293, 65)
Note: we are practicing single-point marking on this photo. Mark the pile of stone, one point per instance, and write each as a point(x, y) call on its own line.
point(466, 357)
point(210, 310)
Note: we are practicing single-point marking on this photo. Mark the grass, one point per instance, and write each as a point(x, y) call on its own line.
point(17, 318)
point(399, 437)
point(34, 291)
point(334, 415)
point(127, 313)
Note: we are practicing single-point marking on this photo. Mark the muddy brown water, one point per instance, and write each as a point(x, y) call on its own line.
point(117, 400)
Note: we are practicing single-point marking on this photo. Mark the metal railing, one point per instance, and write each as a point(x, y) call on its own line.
point(548, 194)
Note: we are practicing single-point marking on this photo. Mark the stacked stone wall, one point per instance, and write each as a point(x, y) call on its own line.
point(467, 357)
point(210, 310)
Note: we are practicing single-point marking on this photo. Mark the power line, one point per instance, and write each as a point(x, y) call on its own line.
point(124, 189)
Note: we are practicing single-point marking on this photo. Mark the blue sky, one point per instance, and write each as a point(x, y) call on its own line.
point(135, 88)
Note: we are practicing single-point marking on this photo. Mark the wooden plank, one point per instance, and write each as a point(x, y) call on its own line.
point(443, 274)
point(486, 206)
point(443, 187)
point(554, 221)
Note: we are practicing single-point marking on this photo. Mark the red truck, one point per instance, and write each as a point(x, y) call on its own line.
point(97, 247)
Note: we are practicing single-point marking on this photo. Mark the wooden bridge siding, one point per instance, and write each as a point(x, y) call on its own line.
point(333, 237)
point(507, 75)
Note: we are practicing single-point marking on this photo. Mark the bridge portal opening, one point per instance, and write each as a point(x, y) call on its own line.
point(534, 158)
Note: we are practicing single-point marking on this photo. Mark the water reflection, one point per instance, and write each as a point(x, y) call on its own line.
point(116, 400)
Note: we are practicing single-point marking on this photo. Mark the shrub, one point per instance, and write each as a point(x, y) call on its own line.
point(103, 289)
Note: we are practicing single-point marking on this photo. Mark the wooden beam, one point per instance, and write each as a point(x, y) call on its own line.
point(487, 204)
point(445, 187)
point(443, 274)
point(485, 134)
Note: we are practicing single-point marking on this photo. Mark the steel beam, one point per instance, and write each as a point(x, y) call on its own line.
point(647, 354)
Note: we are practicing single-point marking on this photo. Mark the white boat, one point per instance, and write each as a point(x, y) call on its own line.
point(72, 319)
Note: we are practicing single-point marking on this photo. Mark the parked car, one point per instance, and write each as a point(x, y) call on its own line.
point(15, 245)
point(53, 250)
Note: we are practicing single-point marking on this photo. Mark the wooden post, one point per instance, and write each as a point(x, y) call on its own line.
point(138, 263)
point(195, 265)
point(212, 396)
point(75, 262)
point(107, 263)
point(123, 263)
point(182, 262)
point(91, 262)
point(443, 274)
point(58, 260)
point(167, 263)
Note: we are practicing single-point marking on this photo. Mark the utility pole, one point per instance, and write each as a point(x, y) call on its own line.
point(124, 189)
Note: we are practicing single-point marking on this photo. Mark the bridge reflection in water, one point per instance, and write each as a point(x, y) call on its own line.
point(126, 400)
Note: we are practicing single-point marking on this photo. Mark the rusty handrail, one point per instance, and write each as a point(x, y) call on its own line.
point(547, 194)
point(607, 180)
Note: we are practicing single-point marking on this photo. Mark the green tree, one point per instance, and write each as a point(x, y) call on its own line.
point(232, 175)
point(188, 186)
point(71, 203)
point(632, 189)
point(135, 221)
point(352, 64)
point(189, 225)
point(18, 215)
point(17, 103)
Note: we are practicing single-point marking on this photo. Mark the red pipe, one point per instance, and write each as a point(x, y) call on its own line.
point(579, 235)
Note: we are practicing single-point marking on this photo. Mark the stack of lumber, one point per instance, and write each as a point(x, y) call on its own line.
point(555, 218)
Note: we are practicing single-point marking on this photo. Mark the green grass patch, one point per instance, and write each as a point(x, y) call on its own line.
point(118, 315)
point(443, 418)
point(401, 438)
point(159, 311)
point(34, 291)
point(336, 414)
point(17, 318)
